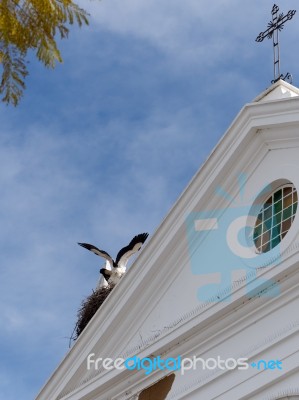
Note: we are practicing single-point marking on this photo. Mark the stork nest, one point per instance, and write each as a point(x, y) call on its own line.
point(89, 307)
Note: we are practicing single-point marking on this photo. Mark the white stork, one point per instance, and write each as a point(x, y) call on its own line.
point(116, 269)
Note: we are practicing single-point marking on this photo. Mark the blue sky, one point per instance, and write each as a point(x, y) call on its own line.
point(100, 148)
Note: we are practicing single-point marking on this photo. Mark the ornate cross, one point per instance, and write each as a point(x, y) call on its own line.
point(274, 27)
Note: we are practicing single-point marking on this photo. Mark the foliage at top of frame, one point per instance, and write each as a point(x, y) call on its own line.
point(32, 24)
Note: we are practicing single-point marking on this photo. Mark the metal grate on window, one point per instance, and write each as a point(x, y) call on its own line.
point(275, 218)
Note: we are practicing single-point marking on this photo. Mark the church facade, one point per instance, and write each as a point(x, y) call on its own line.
point(212, 311)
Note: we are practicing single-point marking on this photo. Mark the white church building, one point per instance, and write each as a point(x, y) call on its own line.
point(213, 309)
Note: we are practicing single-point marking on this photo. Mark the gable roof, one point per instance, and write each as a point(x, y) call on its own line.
point(146, 315)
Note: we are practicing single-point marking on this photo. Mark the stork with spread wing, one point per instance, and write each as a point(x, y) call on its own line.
point(117, 267)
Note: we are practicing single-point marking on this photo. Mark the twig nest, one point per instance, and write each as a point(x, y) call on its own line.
point(90, 306)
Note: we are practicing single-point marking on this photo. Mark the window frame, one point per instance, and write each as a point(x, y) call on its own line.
point(272, 225)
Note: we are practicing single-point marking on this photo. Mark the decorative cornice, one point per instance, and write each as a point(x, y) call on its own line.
point(250, 353)
point(283, 394)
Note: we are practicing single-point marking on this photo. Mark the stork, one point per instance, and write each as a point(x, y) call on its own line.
point(114, 270)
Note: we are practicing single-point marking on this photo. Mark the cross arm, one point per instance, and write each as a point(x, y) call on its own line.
point(273, 26)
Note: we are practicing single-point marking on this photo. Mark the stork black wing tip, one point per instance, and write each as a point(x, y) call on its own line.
point(143, 236)
point(85, 245)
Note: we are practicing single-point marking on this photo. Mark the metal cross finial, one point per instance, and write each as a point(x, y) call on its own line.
point(274, 27)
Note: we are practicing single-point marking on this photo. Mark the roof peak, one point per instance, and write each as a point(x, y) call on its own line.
point(278, 91)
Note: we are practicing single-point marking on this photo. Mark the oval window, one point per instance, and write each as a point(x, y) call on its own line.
point(275, 218)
